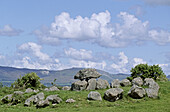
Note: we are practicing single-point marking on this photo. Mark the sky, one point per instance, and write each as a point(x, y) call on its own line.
point(111, 35)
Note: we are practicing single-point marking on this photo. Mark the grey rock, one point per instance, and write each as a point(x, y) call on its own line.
point(91, 84)
point(79, 85)
point(94, 95)
point(154, 86)
point(151, 93)
point(113, 94)
point(70, 101)
point(125, 82)
point(18, 93)
point(137, 81)
point(115, 83)
point(36, 91)
point(87, 74)
point(53, 88)
point(29, 90)
point(35, 99)
point(42, 103)
point(7, 98)
point(137, 92)
point(66, 88)
point(102, 84)
point(54, 99)
point(148, 81)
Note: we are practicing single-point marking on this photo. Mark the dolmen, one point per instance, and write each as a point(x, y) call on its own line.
point(88, 80)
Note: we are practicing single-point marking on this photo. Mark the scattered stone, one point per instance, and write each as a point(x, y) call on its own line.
point(87, 74)
point(35, 99)
point(151, 93)
point(70, 101)
point(91, 84)
point(54, 99)
point(18, 93)
point(79, 85)
point(102, 84)
point(148, 81)
point(66, 88)
point(94, 95)
point(36, 91)
point(7, 98)
point(113, 94)
point(29, 90)
point(125, 82)
point(42, 103)
point(137, 81)
point(53, 88)
point(136, 92)
point(115, 83)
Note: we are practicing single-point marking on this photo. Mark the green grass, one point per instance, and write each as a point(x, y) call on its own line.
point(127, 104)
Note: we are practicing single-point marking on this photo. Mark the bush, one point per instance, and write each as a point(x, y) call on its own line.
point(146, 71)
point(30, 80)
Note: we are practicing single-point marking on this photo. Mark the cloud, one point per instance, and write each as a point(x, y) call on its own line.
point(121, 64)
point(81, 54)
point(137, 61)
point(160, 37)
point(98, 29)
point(88, 64)
point(8, 30)
point(158, 2)
point(33, 49)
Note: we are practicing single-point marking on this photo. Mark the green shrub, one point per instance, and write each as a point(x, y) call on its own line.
point(30, 80)
point(146, 71)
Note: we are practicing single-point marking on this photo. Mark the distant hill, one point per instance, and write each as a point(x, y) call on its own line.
point(64, 77)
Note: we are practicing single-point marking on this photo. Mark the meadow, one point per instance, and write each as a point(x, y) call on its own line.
point(82, 104)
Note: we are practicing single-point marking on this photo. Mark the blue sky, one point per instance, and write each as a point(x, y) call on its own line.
point(112, 35)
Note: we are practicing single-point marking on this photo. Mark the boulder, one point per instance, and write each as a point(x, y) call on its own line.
point(35, 99)
point(137, 81)
point(102, 84)
point(136, 92)
point(66, 88)
point(154, 86)
point(70, 101)
point(91, 84)
point(87, 74)
point(53, 88)
point(18, 93)
point(94, 95)
point(148, 81)
point(42, 103)
point(125, 82)
point(113, 94)
point(7, 98)
point(79, 85)
point(115, 83)
point(54, 99)
point(151, 93)
point(29, 90)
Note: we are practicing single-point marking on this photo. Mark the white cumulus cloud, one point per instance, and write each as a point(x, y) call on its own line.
point(121, 65)
point(137, 61)
point(81, 54)
point(33, 49)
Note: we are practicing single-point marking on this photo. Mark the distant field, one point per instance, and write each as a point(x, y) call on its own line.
point(127, 104)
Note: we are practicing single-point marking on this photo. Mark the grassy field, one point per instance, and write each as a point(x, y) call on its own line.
point(127, 104)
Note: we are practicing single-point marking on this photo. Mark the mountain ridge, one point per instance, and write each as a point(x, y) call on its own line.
point(64, 77)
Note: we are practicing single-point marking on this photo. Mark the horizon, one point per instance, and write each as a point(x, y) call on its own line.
point(112, 35)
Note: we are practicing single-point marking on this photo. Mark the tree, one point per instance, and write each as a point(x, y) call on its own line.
point(31, 80)
point(146, 71)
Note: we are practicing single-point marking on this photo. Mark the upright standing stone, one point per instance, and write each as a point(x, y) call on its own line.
point(79, 85)
point(91, 84)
